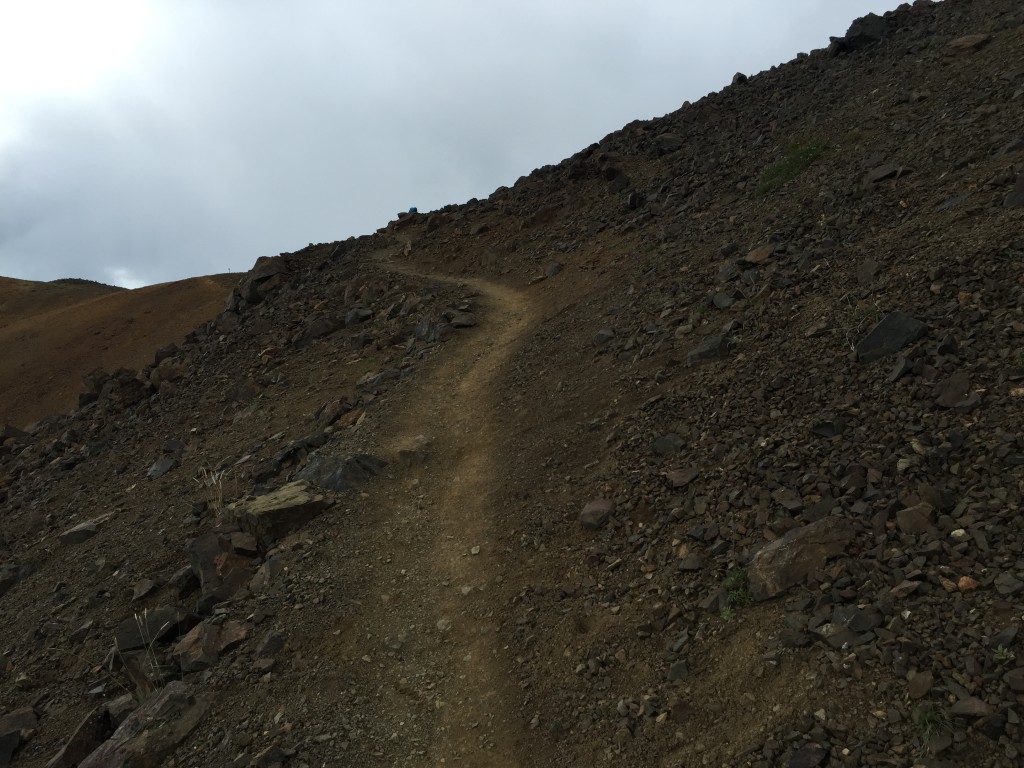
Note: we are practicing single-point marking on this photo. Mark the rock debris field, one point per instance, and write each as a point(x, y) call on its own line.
point(703, 447)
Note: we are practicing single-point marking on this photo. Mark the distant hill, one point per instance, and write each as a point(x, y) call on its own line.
point(53, 333)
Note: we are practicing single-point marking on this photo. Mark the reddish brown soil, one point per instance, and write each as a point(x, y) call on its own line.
point(51, 334)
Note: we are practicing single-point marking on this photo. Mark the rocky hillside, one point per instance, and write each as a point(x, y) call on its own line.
point(702, 447)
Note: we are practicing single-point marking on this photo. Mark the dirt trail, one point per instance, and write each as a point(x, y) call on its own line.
point(448, 430)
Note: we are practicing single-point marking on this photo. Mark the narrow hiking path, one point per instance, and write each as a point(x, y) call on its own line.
point(438, 610)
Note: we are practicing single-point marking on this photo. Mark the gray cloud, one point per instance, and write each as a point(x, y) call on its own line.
point(247, 128)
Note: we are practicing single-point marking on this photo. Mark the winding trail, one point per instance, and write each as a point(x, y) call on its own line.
point(450, 421)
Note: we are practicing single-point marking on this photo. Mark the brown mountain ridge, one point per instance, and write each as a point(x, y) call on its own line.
point(703, 447)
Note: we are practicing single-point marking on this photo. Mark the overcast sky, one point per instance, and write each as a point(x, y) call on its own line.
point(144, 141)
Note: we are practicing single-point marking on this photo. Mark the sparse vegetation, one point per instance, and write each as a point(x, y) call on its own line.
point(737, 593)
point(1003, 654)
point(212, 483)
point(147, 672)
point(797, 159)
point(931, 720)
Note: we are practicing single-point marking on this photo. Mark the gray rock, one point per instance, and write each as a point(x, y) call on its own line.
point(863, 32)
point(971, 707)
point(357, 315)
point(595, 515)
point(1015, 679)
point(678, 671)
point(463, 320)
point(1007, 584)
point(275, 515)
point(603, 336)
point(11, 574)
point(667, 444)
point(78, 534)
point(16, 727)
point(711, 348)
point(954, 391)
point(893, 332)
point(152, 731)
point(96, 728)
point(341, 474)
point(552, 268)
point(917, 519)
point(161, 467)
point(920, 684)
point(1015, 197)
point(789, 560)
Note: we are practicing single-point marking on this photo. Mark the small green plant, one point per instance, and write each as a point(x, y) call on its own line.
point(798, 158)
point(931, 720)
point(736, 586)
point(1003, 654)
point(737, 594)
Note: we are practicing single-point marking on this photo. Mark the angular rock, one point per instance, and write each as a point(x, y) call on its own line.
point(150, 733)
point(711, 348)
point(893, 332)
point(357, 315)
point(275, 515)
point(863, 32)
point(680, 478)
point(920, 684)
point(11, 573)
point(1015, 679)
point(16, 728)
point(78, 534)
point(161, 467)
point(1015, 197)
point(789, 560)
point(207, 642)
point(966, 44)
point(809, 756)
point(954, 391)
point(463, 320)
point(971, 707)
point(271, 643)
point(96, 728)
point(595, 515)
point(317, 327)
point(917, 519)
point(341, 474)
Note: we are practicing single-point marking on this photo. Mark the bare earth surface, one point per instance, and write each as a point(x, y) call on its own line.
point(52, 334)
point(703, 447)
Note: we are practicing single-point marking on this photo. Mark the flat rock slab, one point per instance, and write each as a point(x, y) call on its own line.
point(78, 534)
point(271, 517)
point(152, 731)
point(893, 332)
point(966, 44)
point(789, 560)
point(341, 474)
